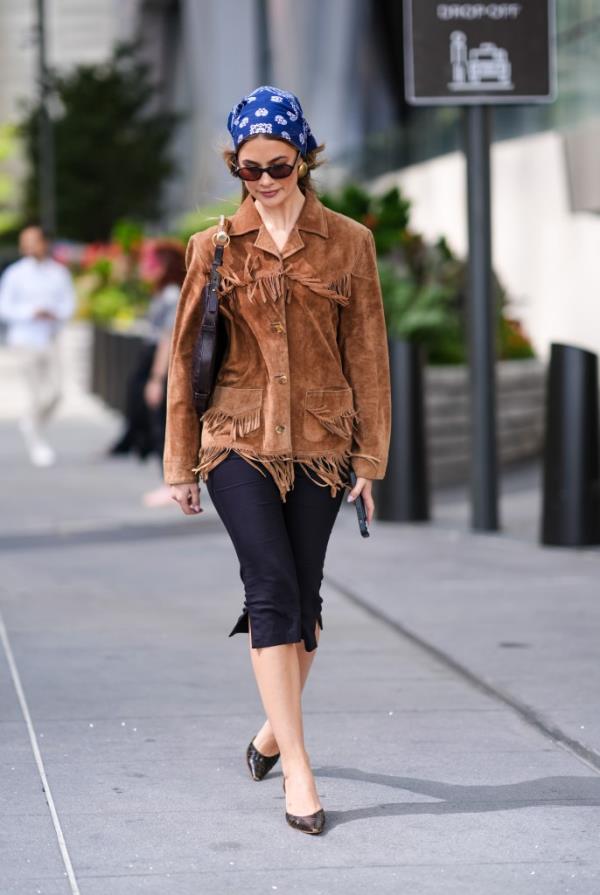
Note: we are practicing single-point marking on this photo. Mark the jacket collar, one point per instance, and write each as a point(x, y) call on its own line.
point(311, 218)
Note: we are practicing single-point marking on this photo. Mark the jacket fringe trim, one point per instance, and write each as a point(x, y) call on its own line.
point(275, 287)
point(242, 423)
point(340, 424)
point(331, 470)
point(343, 286)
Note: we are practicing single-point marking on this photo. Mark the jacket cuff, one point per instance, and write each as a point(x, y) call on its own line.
point(179, 475)
point(367, 468)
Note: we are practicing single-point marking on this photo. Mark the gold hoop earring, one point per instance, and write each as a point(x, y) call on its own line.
point(302, 169)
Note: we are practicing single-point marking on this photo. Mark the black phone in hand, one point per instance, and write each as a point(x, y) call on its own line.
point(360, 508)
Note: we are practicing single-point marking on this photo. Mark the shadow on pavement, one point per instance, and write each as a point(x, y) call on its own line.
point(464, 799)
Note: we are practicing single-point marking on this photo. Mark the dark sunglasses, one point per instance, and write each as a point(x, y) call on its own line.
point(254, 172)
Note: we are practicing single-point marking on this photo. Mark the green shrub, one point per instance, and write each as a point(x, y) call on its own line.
point(204, 217)
point(111, 141)
point(424, 285)
point(9, 218)
point(386, 215)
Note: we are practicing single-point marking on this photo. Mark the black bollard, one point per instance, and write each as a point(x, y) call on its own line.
point(571, 501)
point(403, 495)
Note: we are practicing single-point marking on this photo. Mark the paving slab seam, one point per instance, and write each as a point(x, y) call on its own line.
point(459, 530)
point(591, 552)
point(528, 714)
point(101, 534)
point(200, 716)
point(278, 868)
point(16, 680)
point(474, 806)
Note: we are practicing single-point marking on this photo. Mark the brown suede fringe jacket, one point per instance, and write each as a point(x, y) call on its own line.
point(306, 374)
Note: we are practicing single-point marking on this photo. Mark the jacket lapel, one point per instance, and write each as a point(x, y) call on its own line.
point(311, 219)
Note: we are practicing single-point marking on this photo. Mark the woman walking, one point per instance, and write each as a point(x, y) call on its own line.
point(145, 416)
point(302, 394)
point(169, 275)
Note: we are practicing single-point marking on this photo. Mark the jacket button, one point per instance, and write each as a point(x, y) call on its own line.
point(282, 377)
point(280, 429)
point(278, 327)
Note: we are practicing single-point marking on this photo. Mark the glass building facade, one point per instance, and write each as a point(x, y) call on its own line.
point(419, 134)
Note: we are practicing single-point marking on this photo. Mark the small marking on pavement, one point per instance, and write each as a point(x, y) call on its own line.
point(16, 679)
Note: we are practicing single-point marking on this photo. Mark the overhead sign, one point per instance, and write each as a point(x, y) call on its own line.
point(464, 53)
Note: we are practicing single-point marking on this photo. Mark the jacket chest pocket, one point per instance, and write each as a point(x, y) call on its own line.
point(234, 412)
point(329, 410)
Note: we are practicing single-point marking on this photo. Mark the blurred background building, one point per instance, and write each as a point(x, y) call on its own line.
point(344, 59)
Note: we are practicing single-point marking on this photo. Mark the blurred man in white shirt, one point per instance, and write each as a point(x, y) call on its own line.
point(36, 299)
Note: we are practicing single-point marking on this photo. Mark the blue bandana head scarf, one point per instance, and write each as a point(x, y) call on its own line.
point(268, 110)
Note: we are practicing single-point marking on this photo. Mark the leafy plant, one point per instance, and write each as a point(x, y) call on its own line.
point(387, 215)
point(128, 234)
point(412, 310)
point(423, 288)
point(109, 282)
point(512, 341)
point(111, 146)
point(204, 217)
point(424, 285)
point(8, 215)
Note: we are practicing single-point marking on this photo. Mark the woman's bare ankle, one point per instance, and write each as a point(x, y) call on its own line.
point(297, 765)
point(265, 742)
point(301, 794)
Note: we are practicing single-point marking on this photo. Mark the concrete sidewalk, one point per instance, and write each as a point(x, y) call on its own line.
point(451, 716)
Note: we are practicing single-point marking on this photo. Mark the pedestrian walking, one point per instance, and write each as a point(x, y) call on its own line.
point(36, 299)
point(302, 393)
point(146, 408)
point(161, 315)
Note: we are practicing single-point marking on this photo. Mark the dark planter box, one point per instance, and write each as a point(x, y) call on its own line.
point(520, 388)
point(115, 354)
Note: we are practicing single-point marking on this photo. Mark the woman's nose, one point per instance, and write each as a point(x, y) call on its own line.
point(269, 179)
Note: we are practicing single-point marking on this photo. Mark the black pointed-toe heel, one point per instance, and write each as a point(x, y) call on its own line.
point(307, 823)
point(259, 764)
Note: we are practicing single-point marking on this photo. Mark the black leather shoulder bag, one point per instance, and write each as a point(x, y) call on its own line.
point(211, 341)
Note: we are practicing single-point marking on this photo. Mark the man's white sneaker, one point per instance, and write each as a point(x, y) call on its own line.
point(28, 431)
point(40, 452)
point(42, 455)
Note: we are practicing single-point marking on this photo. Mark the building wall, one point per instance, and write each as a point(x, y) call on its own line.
point(77, 31)
point(212, 85)
point(318, 50)
point(547, 256)
point(206, 61)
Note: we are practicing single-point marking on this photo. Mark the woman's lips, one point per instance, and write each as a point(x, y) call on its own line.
point(268, 193)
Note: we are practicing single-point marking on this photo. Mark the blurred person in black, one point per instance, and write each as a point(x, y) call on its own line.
point(146, 394)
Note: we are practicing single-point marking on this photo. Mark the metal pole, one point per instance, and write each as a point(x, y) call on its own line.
point(482, 324)
point(263, 42)
point(45, 135)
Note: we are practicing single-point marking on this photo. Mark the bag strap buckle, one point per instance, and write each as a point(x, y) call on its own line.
point(221, 237)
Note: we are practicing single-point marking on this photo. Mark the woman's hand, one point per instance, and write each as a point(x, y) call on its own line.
point(187, 495)
point(364, 486)
point(153, 392)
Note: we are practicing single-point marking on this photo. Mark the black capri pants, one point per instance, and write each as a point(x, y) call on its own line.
point(281, 548)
